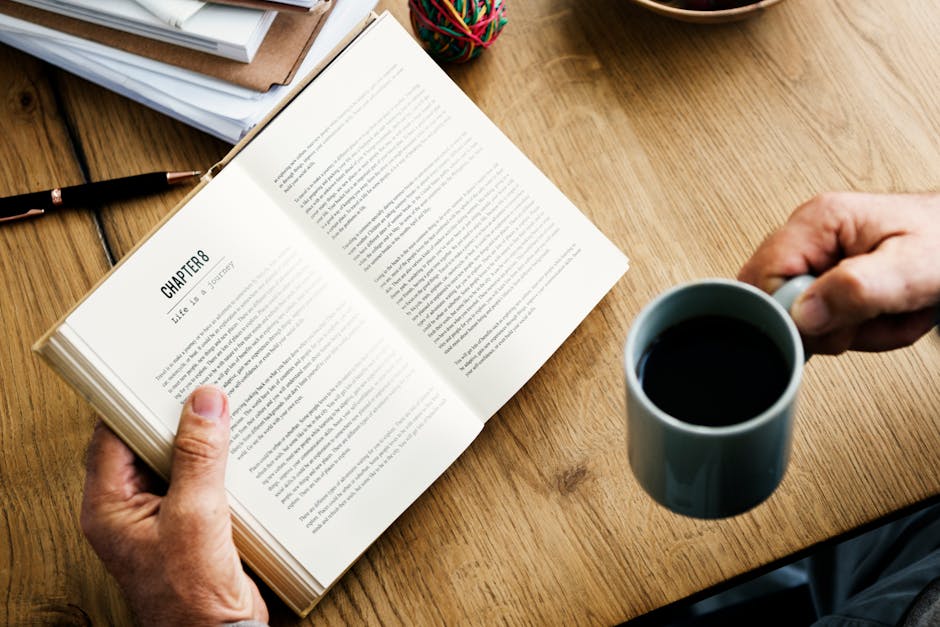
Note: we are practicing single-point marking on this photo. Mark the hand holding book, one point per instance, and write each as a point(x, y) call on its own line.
point(172, 555)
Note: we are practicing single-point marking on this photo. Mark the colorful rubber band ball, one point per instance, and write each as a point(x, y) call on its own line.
point(457, 30)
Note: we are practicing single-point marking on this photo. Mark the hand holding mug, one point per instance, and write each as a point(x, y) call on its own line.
point(877, 257)
point(709, 451)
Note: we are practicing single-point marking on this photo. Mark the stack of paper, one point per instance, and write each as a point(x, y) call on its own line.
point(230, 32)
point(217, 106)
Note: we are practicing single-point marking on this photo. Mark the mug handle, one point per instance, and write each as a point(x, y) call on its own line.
point(791, 290)
point(787, 294)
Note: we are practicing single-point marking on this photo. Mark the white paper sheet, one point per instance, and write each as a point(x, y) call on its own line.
point(173, 12)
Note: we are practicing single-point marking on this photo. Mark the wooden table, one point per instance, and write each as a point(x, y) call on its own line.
point(685, 144)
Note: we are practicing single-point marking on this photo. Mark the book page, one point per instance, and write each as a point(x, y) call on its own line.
point(337, 425)
point(435, 215)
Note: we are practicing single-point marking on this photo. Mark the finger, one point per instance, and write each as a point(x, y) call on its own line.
point(110, 469)
point(896, 331)
point(200, 450)
point(834, 343)
point(821, 232)
point(859, 289)
point(806, 244)
point(113, 490)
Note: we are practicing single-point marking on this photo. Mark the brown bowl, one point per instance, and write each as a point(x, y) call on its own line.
point(702, 16)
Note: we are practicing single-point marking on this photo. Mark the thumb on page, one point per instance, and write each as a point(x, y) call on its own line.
point(200, 450)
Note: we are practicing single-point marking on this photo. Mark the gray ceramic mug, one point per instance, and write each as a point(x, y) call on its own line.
point(705, 471)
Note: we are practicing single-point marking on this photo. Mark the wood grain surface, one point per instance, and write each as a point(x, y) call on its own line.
point(685, 144)
point(47, 572)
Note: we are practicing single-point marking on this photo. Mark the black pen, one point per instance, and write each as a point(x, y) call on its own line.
point(37, 203)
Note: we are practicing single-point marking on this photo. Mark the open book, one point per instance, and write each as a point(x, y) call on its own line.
point(370, 276)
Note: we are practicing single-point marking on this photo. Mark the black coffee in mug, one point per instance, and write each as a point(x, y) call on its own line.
point(713, 370)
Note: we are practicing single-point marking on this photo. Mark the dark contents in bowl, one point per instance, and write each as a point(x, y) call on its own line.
point(708, 5)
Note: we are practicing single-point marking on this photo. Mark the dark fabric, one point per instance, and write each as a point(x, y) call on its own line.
point(879, 578)
point(925, 611)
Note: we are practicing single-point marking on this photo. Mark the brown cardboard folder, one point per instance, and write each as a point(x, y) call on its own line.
point(271, 5)
point(275, 63)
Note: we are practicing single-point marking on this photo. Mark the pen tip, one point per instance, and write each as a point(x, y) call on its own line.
point(181, 177)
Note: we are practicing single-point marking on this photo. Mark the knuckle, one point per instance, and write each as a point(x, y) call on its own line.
point(820, 203)
point(825, 209)
point(197, 449)
point(853, 287)
point(829, 200)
